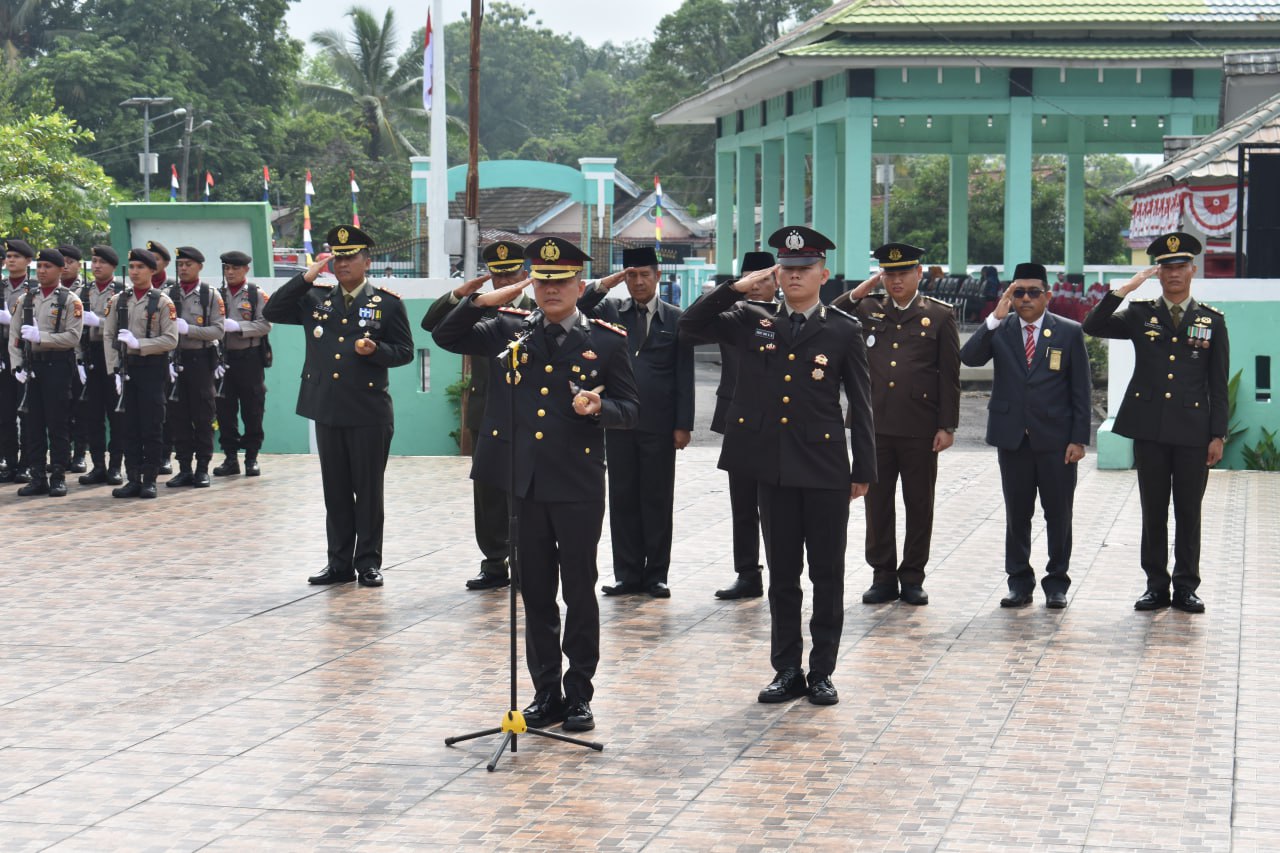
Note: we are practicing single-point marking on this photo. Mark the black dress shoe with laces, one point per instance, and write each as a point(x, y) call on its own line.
point(622, 588)
point(95, 477)
point(228, 466)
point(130, 489)
point(183, 478)
point(1187, 601)
point(370, 577)
point(1056, 600)
point(786, 685)
point(880, 594)
point(1016, 599)
point(659, 590)
point(547, 709)
point(746, 585)
point(114, 477)
point(914, 595)
point(1152, 600)
point(579, 717)
point(329, 575)
point(483, 581)
point(822, 691)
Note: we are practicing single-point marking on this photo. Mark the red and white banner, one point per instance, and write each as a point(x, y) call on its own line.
point(1213, 208)
point(1156, 213)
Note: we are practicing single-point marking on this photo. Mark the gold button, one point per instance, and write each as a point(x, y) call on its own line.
point(337, 356)
point(891, 385)
point(1197, 405)
point(1173, 358)
point(895, 344)
point(899, 325)
point(1136, 394)
point(783, 420)
point(545, 392)
point(335, 376)
point(1167, 395)
point(761, 349)
point(586, 450)
point(370, 384)
point(344, 321)
point(791, 357)
point(342, 340)
point(742, 420)
point(926, 396)
point(1170, 375)
point(548, 368)
point(542, 413)
point(538, 436)
point(786, 399)
point(787, 378)
point(826, 435)
point(1175, 340)
point(495, 432)
point(893, 364)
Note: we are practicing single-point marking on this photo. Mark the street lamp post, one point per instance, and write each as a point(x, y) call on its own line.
point(148, 163)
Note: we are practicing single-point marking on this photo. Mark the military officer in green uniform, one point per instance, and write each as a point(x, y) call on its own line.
point(504, 261)
point(355, 332)
point(1175, 410)
point(913, 349)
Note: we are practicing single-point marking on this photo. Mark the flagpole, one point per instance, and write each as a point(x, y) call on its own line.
point(437, 189)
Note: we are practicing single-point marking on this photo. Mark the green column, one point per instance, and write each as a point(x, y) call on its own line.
point(1073, 248)
point(1182, 119)
point(824, 187)
point(770, 187)
point(855, 239)
point(724, 211)
point(958, 198)
point(795, 146)
point(746, 231)
point(1017, 185)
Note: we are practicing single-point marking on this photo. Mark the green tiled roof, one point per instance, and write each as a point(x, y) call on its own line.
point(1081, 50)
point(868, 13)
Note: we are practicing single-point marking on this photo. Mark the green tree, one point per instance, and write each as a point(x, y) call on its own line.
point(24, 24)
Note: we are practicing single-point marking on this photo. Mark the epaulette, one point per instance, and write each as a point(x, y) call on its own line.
point(389, 292)
point(507, 309)
point(618, 330)
point(327, 285)
point(936, 299)
point(834, 310)
point(1217, 311)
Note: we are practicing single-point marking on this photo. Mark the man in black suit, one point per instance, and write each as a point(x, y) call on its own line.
point(355, 332)
point(743, 507)
point(1175, 410)
point(785, 428)
point(1038, 419)
point(573, 381)
point(504, 261)
point(642, 461)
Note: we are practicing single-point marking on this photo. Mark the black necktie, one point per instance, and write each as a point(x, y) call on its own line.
point(642, 325)
point(1176, 312)
point(554, 332)
point(797, 324)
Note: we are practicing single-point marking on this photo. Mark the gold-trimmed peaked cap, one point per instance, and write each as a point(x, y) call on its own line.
point(1176, 248)
point(503, 256)
point(552, 258)
point(346, 240)
point(896, 256)
point(799, 246)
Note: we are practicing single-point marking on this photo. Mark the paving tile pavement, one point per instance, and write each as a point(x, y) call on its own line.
point(168, 681)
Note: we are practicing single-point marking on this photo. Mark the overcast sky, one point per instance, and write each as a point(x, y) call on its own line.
point(596, 21)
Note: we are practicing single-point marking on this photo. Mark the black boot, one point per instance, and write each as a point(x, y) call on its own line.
point(183, 477)
point(148, 489)
point(130, 489)
point(6, 471)
point(21, 474)
point(113, 471)
point(251, 467)
point(230, 465)
point(98, 475)
point(37, 485)
point(200, 479)
point(165, 468)
point(57, 482)
point(77, 460)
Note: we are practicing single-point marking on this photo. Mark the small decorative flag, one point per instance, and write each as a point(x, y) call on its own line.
point(657, 214)
point(308, 192)
point(173, 183)
point(266, 184)
point(355, 206)
point(208, 186)
point(428, 64)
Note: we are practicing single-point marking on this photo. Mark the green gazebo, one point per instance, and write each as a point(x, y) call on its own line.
point(806, 114)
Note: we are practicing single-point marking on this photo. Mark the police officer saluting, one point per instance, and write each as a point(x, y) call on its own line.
point(97, 406)
point(17, 255)
point(913, 349)
point(1175, 410)
point(247, 353)
point(43, 338)
point(138, 332)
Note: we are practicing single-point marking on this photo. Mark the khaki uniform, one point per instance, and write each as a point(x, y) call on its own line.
point(142, 421)
point(190, 416)
point(10, 389)
point(95, 408)
point(244, 387)
point(51, 373)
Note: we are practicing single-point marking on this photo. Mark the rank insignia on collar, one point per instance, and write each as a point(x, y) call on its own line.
point(925, 321)
point(589, 355)
point(818, 373)
point(820, 359)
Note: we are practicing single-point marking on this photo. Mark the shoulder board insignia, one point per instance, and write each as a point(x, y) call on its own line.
point(936, 299)
point(390, 292)
point(842, 312)
point(507, 309)
point(327, 285)
point(617, 330)
point(1217, 311)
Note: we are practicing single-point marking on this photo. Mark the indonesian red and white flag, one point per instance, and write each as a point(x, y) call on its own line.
point(428, 64)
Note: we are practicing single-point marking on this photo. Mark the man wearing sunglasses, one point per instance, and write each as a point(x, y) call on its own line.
point(1038, 419)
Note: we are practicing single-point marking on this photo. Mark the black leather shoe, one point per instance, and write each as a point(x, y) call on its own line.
point(35, 487)
point(483, 581)
point(57, 487)
point(746, 585)
point(659, 590)
point(1183, 599)
point(147, 490)
point(579, 717)
point(1152, 600)
point(183, 478)
point(96, 477)
point(230, 465)
point(877, 594)
point(252, 468)
point(6, 473)
point(822, 691)
point(914, 595)
point(786, 685)
point(21, 475)
point(77, 465)
point(329, 576)
point(165, 469)
point(622, 588)
point(200, 480)
point(114, 477)
point(1016, 599)
point(545, 710)
point(130, 489)
point(370, 577)
point(1056, 601)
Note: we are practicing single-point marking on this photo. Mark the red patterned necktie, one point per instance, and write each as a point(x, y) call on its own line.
point(1031, 343)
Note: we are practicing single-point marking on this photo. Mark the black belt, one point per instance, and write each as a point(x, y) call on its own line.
point(233, 354)
point(147, 359)
point(53, 357)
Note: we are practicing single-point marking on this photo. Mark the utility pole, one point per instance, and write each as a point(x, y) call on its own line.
point(187, 130)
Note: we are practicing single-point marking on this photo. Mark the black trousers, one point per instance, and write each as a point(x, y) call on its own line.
point(642, 479)
point(244, 396)
point(557, 544)
point(797, 522)
point(912, 460)
point(1165, 469)
point(744, 508)
point(46, 428)
point(1023, 473)
point(191, 415)
point(491, 523)
point(353, 461)
point(10, 394)
point(142, 421)
point(98, 408)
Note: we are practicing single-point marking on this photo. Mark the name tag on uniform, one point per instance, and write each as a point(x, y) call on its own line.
point(766, 334)
point(1055, 358)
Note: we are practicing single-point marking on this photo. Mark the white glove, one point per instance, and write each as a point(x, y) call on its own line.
point(126, 337)
point(84, 376)
point(231, 325)
point(31, 333)
point(119, 384)
point(183, 326)
point(92, 319)
point(20, 375)
point(5, 317)
point(220, 371)
point(173, 372)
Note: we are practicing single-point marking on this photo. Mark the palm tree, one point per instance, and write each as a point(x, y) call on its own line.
point(21, 26)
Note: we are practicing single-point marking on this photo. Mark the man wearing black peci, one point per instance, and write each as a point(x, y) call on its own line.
point(355, 332)
point(574, 380)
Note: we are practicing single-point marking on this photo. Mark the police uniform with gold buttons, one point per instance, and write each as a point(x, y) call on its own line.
point(914, 358)
point(559, 474)
point(1174, 405)
point(346, 395)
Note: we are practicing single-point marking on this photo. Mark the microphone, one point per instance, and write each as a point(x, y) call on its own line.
point(535, 317)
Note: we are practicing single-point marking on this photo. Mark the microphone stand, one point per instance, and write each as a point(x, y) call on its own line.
point(513, 723)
